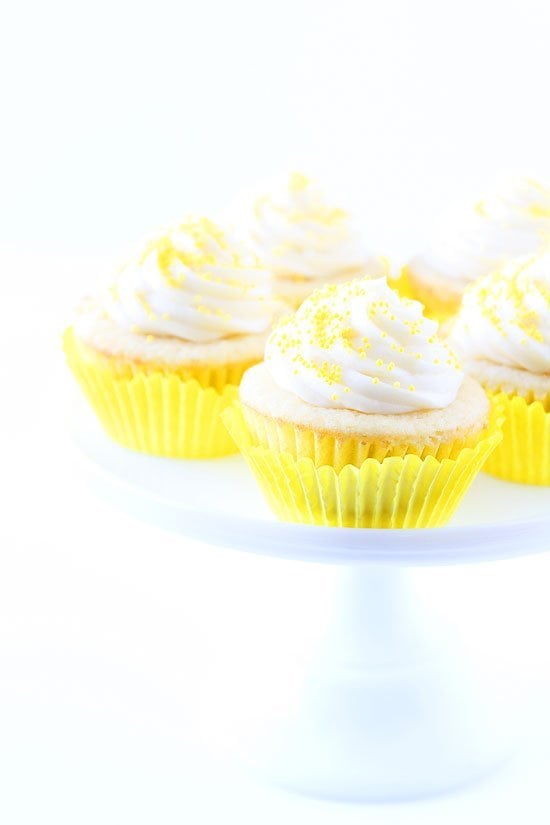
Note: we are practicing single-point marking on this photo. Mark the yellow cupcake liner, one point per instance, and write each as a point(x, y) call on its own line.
point(162, 412)
point(524, 452)
point(436, 308)
point(396, 492)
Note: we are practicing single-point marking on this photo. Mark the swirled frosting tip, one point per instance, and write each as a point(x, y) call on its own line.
point(505, 316)
point(298, 234)
point(360, 346)
point(195, 281)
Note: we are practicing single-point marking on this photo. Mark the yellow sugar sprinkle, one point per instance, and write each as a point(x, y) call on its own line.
point(145, 305)
point(480, 208)
point(379, 362)
point(536, 210)
point(412, 387)
point(397, 384)
point(298, 182)
point(511, 290)
point(375, 380)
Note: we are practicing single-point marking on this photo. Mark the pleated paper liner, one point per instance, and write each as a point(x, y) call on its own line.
point(395, 492)
point(524, 452)
point(335, 450)
point(436, 308)
point(163, 412)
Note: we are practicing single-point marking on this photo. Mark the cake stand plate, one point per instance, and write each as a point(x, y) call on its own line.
point(392, 700)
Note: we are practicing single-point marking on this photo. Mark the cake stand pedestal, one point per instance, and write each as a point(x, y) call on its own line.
point(387, 701)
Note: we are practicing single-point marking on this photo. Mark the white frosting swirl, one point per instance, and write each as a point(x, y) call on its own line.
point(194, 283)
point(359, 346)
point(505, 317)
point(510, 224)
point(298, 235)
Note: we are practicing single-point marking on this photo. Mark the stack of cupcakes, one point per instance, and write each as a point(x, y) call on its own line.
point(361, 414)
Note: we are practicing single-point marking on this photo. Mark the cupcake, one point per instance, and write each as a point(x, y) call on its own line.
point(503, 334)
point(510, 224)
point(306, 243)
point(160, 353)
point(360, 416)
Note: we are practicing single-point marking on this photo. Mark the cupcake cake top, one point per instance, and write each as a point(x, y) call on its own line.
point(359, 346)
point(511, 223)
point(195, 283)
point(505, 317)
point(298, 235)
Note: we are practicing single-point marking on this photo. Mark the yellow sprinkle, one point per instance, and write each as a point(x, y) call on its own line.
point(298, 182)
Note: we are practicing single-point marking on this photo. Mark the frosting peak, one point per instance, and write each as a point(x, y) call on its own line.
point(505, 316)
point(359, 346)
point(299, 235)
point(196, 283)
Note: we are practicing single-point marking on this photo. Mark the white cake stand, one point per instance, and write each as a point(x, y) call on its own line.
point(387, 703)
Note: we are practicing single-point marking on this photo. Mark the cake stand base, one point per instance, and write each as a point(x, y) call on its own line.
point(395, 696)
point(385, 706)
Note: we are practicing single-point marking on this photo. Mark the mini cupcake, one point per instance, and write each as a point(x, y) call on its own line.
point(513, 223)
point(306, 243)
point(503, 333)
point(360, 416)
point(161, 352)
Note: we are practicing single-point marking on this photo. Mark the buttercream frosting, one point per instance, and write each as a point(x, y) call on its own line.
point(505, 317)
point(511, 223)
point(197, 283)
point(298, 235)
point(360, 346)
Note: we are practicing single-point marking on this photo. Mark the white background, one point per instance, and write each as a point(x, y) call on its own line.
point(116, 117)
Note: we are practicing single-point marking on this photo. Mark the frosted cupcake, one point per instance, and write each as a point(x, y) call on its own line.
point(161, 352)
point(360, 416)
point(306, 243)
point(510, 224)
point(503, 332)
